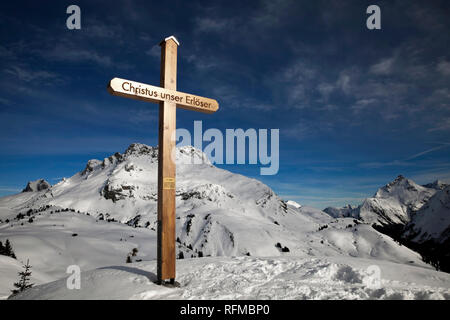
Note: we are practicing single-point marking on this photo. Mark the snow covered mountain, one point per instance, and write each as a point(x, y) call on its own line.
point(218, 212)
point(96, 217)
point(417, 216)
point(432, 221)
point(391, 205)
point(438, 185)
point(37, 185)
point(428, 232)
point(344, 212)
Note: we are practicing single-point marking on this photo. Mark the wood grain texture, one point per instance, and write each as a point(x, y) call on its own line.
point(166, 165)
point(169, 99)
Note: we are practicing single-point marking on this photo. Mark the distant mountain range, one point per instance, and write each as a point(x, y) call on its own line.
point(218, 212)
point(417, 216)
point(97, 216)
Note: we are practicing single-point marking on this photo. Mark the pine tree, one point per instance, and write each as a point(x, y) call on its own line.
point(2, 249)
point(24, 282)
point(9, 250)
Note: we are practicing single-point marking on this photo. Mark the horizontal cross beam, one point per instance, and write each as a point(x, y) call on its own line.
point(145, 92)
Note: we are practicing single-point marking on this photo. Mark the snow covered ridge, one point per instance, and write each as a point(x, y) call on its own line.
point(417, 216)
point(432, 221)
point(293, 203)
point(393, 204)
point(438, 185)
point(37, 185)
point(429, 230)
point(344, 212)
point(95, 218)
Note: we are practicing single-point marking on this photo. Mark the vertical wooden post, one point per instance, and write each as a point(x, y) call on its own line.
point(166, 165)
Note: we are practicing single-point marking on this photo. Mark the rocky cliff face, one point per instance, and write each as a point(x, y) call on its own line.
point(432, 221)
point(37, 185)
point(428, 232)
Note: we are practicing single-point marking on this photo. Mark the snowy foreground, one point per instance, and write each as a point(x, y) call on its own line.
point(255, 278)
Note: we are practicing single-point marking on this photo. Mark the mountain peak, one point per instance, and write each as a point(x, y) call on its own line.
point(37, 185)
point(400, 180)
point(394, 203)
point(437, 184)
point(139, 149)
point(399, 183)
point(294, 204)
point(184, 154)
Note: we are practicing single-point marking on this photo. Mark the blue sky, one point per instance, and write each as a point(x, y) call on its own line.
point(355, 107)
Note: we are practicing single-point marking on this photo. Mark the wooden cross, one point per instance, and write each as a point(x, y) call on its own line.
point(169, 99)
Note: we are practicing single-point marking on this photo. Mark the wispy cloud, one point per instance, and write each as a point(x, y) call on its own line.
point(5, 102)
point(403, 162)
point(417, 155)
point(394, 163)
point(443, 67)
point(303, 129)
point(9, 189)
point(52, 145)
point(76, 54)
point(98, 29)
point(384, 67)
point(142, 116)
point(208, 24)
point(27, 75)
point(154, 52)
point(5, 53)
point(441, 125)
point(423, 177)
point(233, 97)
point(299, 81)
point(264, 16)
